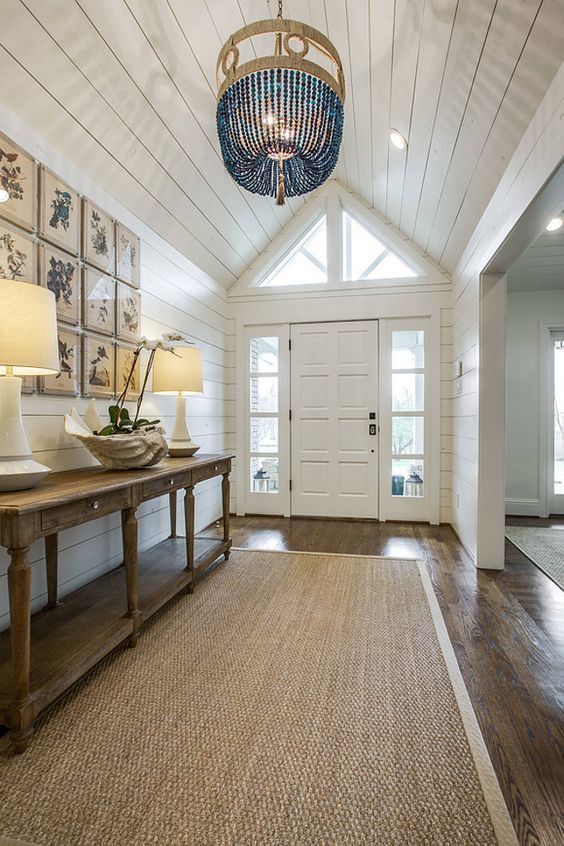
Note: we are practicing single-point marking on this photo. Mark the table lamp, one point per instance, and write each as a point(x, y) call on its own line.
point(28, 347)
point(179, 371)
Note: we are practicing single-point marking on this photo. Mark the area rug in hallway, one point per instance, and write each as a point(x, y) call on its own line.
point(544, 546)
point(293, 699)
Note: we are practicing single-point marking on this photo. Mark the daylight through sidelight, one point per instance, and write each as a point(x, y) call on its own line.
point(279, 114)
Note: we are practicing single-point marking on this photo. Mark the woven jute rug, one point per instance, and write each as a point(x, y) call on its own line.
point(544, 546)
point(293, 700)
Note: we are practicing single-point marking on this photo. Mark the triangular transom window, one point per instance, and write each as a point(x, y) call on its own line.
point(365, 257)
point(306, 263)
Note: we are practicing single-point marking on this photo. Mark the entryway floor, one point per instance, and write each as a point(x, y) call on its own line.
point(507, 630)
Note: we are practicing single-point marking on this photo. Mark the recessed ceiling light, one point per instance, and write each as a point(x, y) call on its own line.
point(555, 224)
point(4, 196)
point(398, 139)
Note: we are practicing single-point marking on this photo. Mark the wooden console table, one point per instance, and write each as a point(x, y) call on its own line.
point(44, 653)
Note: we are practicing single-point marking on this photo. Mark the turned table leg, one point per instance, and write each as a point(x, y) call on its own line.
point(52, 567)
point(172, 501)
point(129, 532)
point(189, 525)
point(19, 588)
point(225, 497)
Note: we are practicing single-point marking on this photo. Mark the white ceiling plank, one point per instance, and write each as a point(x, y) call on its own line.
point(539, 62)
point(107, 77)
point(171, 40)
point(408, 27)
point(51, 65)
point(337, 32)
point(436, 36)
point(203, 38)
point(470, 30)
point(359, 85)
point(32, 101)
point(381, 52)
point(502, 49)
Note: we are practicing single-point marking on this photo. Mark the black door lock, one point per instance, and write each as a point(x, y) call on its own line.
point(372, 429)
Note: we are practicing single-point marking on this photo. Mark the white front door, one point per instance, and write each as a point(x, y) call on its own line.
point(334, 393)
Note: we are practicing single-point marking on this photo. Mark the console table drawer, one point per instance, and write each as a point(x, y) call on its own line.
point(82, 510)
point(164, 485)
point(202, 473)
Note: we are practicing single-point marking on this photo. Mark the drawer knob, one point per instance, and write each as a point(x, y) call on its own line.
point(94, 504)
point(171, 482)
point(215, 466)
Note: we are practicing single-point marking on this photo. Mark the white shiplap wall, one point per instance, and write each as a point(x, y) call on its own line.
point(176, 295)
point(535, 159)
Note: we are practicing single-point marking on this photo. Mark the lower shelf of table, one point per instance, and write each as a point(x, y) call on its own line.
point(68, 640)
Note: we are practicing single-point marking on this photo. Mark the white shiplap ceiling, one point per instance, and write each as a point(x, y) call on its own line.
point(541, 267)
point(126, 90)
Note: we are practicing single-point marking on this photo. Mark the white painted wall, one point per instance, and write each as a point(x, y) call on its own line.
point(526, 311)
point(535, 159)
point(176, 295)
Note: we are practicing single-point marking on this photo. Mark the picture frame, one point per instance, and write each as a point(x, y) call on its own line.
point(98, 366)
point(67, 381)
point(128, 316)
point(128, 252)
point(29, 384)
point(18, 176)
point(98, 301)
point(18, 254)
point(124, 360)
point(60, 272)
point(59, 212)
point(98, 237)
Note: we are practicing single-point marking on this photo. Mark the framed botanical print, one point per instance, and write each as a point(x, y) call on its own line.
point(18, 177)
point(98, 366)
point(128, 248)
point(59, 212)
point(17, 255)
point(128, 312)
point(99, 302)
point(60, 272)
point(29, 384)
point(98, 238)
point(125, 356)
point(67, 381)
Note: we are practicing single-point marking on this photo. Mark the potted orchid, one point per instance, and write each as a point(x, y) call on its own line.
point(126, 442)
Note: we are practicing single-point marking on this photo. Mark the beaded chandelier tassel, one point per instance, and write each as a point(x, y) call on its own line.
point(280, 117)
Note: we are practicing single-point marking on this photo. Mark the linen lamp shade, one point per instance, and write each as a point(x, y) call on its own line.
point(28, 347)
point(178, 371)
point(28, 329)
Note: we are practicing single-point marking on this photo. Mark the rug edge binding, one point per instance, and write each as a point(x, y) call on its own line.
point(495, 801)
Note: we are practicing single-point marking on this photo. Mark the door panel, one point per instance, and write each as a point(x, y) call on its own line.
point(334, 388)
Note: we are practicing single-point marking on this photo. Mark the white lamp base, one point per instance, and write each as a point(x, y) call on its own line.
point(18, 469)
point(181, 443)
point(19, 474)
point(182, 448)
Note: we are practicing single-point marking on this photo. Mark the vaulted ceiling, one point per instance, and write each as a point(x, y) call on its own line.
point(126, 90)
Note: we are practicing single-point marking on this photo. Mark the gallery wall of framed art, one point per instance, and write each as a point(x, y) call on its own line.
point(52, 236)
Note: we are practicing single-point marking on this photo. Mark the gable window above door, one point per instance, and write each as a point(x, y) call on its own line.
point(337, 244)
point(366, 257)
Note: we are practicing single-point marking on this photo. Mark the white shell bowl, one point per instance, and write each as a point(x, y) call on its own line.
point(119, 452)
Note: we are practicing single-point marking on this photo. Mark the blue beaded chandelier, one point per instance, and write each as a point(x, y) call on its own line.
point(280, 117)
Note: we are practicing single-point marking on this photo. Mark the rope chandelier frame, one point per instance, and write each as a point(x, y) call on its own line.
point(280, 116)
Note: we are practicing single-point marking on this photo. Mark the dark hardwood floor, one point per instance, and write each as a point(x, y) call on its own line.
point(507, 629)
